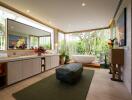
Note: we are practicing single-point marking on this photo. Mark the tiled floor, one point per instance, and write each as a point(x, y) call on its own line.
point(102, 88)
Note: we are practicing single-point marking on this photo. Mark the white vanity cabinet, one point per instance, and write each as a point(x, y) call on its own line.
point(31, 67)
point(36, 66)
point(56, 60)
point(47, 62)
point(19, 70)
point(51, 61)
point(27, 68)
point(14, 72)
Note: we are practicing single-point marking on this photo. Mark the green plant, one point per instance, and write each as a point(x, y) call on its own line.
point(62, 54)
point(67, 59)
point(80, 47)
point(93, 43)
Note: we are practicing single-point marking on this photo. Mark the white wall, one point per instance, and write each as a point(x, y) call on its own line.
point(127, 72)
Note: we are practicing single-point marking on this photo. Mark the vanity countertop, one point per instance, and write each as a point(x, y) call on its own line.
point(15, 58)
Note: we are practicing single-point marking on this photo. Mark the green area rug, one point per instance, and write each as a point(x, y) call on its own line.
point(52, 89)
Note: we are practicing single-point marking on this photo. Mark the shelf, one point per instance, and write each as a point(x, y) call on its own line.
point(43, 65)
point(43, 69)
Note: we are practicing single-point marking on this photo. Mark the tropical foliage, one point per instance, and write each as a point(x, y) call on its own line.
point(93, 43)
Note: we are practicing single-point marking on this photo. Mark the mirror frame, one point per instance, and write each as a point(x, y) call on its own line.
point(7, 44)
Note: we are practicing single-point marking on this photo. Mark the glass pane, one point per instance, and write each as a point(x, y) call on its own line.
point(33, 42)
point(91, 43)
point(45, 42)
point(61, 41)
point(2, 42)
point(2, 32)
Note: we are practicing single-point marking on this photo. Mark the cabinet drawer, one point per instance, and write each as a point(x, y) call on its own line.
point(27, 68)
point(36, 66)
point(14, 72)
point(47, 63)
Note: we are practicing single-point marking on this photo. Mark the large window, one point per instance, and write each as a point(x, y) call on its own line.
point(91, 43)
point(45, 42)
point(61, 41)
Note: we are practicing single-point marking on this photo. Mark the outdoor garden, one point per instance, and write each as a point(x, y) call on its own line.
point(90, 43)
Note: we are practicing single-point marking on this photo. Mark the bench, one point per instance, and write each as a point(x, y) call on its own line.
point(69, 73)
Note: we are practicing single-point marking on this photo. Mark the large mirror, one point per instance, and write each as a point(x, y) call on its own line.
point(21, 36)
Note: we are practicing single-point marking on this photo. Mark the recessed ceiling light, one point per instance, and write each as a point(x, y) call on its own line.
point(83, 4)
point(28, 11)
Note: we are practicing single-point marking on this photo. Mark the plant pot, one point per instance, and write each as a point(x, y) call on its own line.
point(67, 61)
point(62, 60)
point(39, 53)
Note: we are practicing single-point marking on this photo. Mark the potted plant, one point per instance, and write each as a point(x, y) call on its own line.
point(111, 43)
point(62, 57)
point(67, 59)
point(40, 50)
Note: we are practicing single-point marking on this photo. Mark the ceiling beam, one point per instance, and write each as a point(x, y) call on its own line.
point(88, 30)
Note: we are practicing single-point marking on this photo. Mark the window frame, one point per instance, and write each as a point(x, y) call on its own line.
point(50, 41)
point(30, 40)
